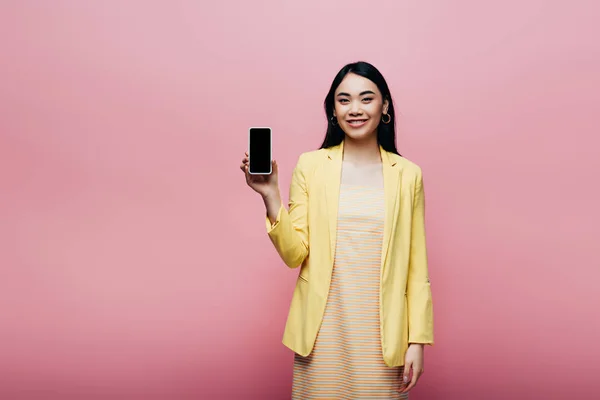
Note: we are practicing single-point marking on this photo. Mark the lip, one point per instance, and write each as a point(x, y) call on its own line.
point(357, 125)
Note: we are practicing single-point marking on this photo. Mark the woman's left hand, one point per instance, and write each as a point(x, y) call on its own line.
point(413, 360)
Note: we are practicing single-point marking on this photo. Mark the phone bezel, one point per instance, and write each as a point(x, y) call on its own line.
point(270, 150)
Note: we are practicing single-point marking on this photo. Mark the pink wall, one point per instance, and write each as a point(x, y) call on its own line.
point(134, 262)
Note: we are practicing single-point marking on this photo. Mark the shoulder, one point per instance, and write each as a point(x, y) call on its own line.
point(409, 168)
point(310, 159)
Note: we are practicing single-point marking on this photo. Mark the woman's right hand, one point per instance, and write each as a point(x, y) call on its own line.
point(265, 185)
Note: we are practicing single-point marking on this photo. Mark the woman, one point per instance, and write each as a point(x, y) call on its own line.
point(361, 312)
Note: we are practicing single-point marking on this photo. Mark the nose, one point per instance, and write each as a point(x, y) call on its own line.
point(355, 108)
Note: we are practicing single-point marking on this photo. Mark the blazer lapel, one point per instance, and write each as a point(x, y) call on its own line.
point(333, 172)
point(391, 182)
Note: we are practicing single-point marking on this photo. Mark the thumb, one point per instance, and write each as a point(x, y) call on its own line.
point(274, 166)
point(406, 377)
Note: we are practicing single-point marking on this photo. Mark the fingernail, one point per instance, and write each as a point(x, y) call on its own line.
point(405, 379)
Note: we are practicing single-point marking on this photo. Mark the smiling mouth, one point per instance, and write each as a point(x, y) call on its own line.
point(357, 122)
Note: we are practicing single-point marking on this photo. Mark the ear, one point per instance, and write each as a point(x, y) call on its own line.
point(386, 104)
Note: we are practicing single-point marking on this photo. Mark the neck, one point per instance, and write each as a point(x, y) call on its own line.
point(363, 151)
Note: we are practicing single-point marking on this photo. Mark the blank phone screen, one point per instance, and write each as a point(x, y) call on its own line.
point(260, 151)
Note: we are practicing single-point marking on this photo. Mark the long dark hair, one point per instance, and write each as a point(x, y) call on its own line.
point(386, 133)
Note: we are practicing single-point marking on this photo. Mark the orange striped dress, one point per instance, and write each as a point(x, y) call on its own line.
point(347, 360)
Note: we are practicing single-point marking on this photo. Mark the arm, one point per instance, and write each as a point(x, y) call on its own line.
point(418, 292)
point(288, 229)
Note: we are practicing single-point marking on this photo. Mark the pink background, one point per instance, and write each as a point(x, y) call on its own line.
point(134, 262)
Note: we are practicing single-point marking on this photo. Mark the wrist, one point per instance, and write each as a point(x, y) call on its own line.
point(271, 195)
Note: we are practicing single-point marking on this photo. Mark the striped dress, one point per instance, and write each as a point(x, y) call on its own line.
point(347, 360)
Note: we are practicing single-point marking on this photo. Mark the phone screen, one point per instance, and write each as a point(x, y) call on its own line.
point(259, 159)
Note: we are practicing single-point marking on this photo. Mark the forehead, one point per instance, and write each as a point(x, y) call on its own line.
point(355, 84)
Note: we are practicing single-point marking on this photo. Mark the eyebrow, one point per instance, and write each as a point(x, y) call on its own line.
point(361, 93)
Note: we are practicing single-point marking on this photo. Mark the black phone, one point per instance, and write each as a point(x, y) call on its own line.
point(260, 148)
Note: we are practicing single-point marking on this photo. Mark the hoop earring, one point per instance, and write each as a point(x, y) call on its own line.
point(333, 120)
point(389, 118)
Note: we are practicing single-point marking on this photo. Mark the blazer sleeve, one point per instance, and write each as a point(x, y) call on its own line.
point(418, 292)
point(289, 232)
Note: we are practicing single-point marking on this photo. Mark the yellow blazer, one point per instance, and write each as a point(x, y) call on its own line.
point(305, 236)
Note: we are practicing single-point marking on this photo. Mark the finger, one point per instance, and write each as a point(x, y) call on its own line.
point(246, 153)
point(249, 177)
point(275, 168)
point(406, 373)
point(405, 377)
point(415, 378)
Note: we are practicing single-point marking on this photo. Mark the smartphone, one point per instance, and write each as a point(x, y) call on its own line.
point(260, 151)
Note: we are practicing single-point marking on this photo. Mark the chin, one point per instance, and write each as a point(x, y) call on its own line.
point(359, 137)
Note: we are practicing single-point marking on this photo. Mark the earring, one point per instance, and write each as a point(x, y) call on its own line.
point(388, 120)
point(333, 120)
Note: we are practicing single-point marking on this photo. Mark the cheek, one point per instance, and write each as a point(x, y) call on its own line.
point(374, 110)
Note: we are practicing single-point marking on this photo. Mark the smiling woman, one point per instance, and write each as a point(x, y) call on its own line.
point(357, 207)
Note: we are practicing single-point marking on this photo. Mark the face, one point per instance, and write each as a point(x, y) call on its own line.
point(358, 106)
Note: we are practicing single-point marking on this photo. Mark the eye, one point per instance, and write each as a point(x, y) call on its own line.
point(368, 99)
point(343, 100)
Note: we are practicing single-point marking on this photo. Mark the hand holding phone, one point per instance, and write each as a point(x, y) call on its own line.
point(257, 164)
